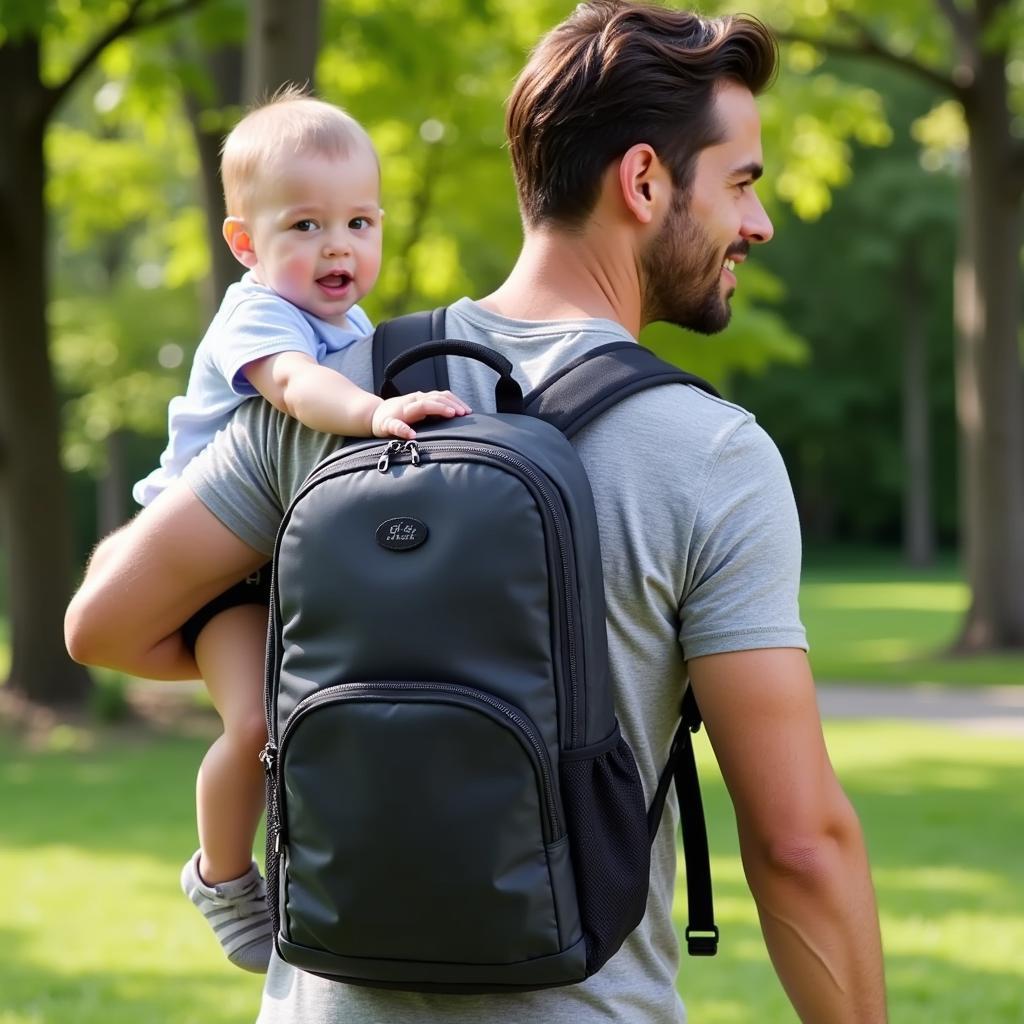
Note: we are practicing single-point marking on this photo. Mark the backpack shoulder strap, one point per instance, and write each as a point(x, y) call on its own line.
point(570, 399)
point(584, 388)
point(701, 931)
point(393, 337)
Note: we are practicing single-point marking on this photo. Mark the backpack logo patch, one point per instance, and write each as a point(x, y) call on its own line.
point(401, 534)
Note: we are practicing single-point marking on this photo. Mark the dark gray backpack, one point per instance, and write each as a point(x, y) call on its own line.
point(451, 805)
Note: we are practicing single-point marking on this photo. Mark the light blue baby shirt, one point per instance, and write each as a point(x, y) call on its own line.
point(253, 321)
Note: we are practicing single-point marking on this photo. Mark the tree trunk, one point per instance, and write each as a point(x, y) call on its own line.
point(225, 69)
point(113, 488)
point(34, 499)
point(284, 39)
point(918, 525)
point(996, 561)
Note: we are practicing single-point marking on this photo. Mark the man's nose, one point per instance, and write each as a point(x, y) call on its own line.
point(757, 225)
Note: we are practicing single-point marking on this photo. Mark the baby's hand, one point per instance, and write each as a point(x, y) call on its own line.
point(392, 417)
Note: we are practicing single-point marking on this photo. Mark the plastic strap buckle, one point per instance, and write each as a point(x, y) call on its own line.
point(702, 941)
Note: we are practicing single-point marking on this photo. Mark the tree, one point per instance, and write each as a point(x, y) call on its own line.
point(35, 511)
point(966, 56)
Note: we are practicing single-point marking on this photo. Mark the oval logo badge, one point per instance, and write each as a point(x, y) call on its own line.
point(401, 534)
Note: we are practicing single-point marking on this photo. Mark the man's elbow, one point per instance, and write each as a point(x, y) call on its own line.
point(812, 856)
point(81, 637)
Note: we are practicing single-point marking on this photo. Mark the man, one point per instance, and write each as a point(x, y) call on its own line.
point(636, 144)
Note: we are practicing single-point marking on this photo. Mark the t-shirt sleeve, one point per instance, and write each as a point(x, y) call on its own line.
point(235, 476)
point(259, 326)
point(743, 578)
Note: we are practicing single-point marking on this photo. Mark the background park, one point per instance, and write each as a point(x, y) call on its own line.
point(877, 339)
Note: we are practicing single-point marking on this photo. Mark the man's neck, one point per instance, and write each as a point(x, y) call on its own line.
point(559, 276)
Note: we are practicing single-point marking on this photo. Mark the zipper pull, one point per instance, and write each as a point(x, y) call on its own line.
point(268, 757)
point(393, 448)
point(414, 451)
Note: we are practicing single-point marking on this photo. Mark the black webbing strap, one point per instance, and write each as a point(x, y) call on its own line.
point(393, 337)
point(701, 931)
point(586, 387)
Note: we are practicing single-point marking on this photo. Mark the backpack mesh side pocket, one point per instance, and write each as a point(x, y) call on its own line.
point(606, 816)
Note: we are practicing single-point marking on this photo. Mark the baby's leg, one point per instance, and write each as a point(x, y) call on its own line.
point(230, 652)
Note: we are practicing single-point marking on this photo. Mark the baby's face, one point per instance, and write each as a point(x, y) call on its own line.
point(315, 224)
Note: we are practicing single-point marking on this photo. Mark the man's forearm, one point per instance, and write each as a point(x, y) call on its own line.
point(819, 918)
point(147, 579)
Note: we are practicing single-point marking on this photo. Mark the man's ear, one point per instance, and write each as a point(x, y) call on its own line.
point(236, 234)
point(644, 182)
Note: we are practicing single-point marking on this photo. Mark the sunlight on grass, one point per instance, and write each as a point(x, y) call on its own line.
point(98, 931)
point(929, 597)
point(870, 619)
point(925, 879)
point(5, 657)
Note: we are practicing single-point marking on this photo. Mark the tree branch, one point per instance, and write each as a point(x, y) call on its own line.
point(132, 21)
point(866, 44)
point(963, 25)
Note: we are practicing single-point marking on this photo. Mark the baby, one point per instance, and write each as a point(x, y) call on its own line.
point(302, 191)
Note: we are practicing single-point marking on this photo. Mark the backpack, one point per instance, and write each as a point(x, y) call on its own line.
point(451, 806)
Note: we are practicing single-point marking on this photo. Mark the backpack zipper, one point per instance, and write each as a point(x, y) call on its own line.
point(273, 762)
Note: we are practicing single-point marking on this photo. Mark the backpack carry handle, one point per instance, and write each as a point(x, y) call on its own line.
point(508, 395)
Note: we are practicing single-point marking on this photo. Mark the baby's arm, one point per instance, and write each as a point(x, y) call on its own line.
point(325, 400)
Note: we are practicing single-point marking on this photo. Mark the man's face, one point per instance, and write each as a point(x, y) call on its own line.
point(686, 277)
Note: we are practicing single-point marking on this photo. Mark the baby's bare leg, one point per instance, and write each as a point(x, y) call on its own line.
point(230, 652)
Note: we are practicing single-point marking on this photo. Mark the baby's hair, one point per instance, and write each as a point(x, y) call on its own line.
point(291, 122)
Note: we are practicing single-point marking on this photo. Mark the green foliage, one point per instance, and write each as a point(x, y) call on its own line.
point(131, 250)
point(837, 418)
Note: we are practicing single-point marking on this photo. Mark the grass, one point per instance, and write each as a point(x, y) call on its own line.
point(943, 813)
point(872, 619)
point(95, 931)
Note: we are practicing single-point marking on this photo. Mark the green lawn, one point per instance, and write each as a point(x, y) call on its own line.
point(96, 932)
point(871, 619)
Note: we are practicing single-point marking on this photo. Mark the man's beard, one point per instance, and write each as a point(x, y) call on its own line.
point(683, 274)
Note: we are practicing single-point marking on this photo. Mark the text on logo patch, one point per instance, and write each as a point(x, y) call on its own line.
point(402, 534)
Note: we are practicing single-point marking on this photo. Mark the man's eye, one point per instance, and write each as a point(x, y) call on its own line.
point(304, 225)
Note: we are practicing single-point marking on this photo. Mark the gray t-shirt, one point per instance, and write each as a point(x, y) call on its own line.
point(701, 551)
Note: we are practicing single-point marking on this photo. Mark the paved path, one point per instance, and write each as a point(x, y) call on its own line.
point(989, 709)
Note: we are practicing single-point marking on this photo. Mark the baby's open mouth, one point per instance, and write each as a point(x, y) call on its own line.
point(336, 280)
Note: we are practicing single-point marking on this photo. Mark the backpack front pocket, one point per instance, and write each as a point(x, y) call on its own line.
point(421, 822)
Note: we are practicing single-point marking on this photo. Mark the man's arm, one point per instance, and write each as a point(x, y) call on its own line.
point(144, 581)
point(802, 847)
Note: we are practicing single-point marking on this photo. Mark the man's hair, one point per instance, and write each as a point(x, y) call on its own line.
point(615, 74)
point(290, 123)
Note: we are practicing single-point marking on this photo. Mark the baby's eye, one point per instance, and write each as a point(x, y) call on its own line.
point(359, 223)
point(304, 225)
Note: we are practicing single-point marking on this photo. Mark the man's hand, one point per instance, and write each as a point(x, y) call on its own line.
point(392, 418)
